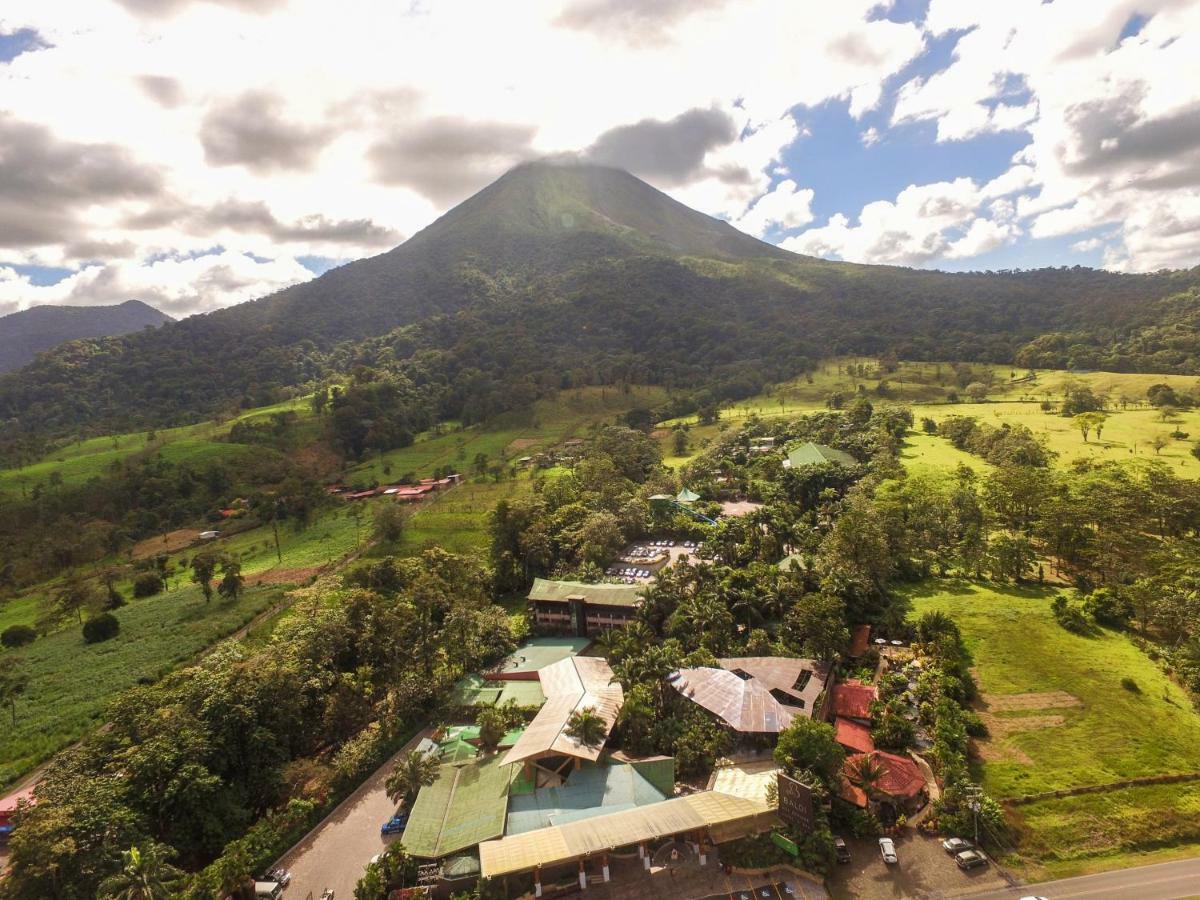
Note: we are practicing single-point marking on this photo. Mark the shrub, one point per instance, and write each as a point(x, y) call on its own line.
point(17, 636)
point(147, 584)
point(101, 628)
point(1130, 685)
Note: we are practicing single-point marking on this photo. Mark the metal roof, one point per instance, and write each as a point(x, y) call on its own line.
point(564, 843)
point(467, 804)
point(574, 684)
point(628, 595)
point(756, 694)
point(810, 454)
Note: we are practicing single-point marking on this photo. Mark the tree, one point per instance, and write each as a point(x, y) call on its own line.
point(145, 875)
point(1158, 442)
point(389, 523)
point(864, 772)
point(101, 628)
point(816, 626)
point(977, 391)
point(204, 565)
point(587, 727)
point(13, 682)
point(810, 746)
point(1088, 421)
point(75, 596)
point(679, 442)
point(412, 772)
point(232, 580)
point(493, 725)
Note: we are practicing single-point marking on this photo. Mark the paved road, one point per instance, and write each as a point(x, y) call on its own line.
point(336, 852)
point(1164, 881)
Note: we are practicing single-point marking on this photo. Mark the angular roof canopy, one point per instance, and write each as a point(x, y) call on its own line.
point(574, 684)
point(756, 694)
point(853, 699)
point(628, 595)
point(574, 840)
point(901, 778)
point(687, 496)
point(810, 454)
point(853, 735)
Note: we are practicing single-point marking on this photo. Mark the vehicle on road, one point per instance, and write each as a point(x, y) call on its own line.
point(327, 894)
point(395, 825)
point(887, 849)
point(970, 859)
point(842, 851)
point(954, 845)
point(283, 876)
point(268, 890)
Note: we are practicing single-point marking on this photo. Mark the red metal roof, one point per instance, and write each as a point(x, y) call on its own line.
point(854, 736)
point(853, 699)
point(901, 778)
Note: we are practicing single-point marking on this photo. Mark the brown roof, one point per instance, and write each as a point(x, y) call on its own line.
point(854, 736)
point(860, 640)
point(901, 778)
point(853, 699)
point(570, 685)
point(756, 694)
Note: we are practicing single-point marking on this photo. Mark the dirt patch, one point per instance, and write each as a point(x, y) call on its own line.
point(171, 542)
point(995, 748)
point(989, 751)
point(739, 507)
point(998, 703)
point(523, 443)
point(283, 576)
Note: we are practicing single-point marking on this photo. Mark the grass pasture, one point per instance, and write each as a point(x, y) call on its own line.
point(71, 682)
point(1059, 717)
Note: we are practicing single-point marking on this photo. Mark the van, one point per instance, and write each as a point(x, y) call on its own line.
point(268, 890)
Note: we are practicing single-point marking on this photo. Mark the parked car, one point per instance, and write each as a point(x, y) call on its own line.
point(283, 876)
point(395, 825)
point(970, 859)
point(954, 846)
point(888, 849)
point(842, 851)
point(268, 890)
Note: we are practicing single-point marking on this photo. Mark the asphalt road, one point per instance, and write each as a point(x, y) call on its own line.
point(1163, 881)
point(336, 852)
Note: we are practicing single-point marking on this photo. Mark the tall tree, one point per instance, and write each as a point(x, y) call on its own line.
point(145, 875)
point(14, 681)
point(412, 772)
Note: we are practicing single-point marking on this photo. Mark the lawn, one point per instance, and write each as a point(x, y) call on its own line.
point(457, 519)
point(1059, 717)
point(1117, 829)
point(924, 453)
point(71, 682)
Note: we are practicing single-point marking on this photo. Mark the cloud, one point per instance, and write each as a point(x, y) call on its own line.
point(637, 21)
point(447, 158)
point(156, 8)
point(251, 131)
point(241, 216)
point(925, 223)
point(177, 286)
point(162, 89)
point(785, 206)
point(46, 184)
point(670, 152)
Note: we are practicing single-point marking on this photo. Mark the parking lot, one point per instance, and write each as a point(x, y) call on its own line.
point(640, 561)
point(924, 870)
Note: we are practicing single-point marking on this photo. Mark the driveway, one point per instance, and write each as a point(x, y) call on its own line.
point(336, 852)
point(924, 870)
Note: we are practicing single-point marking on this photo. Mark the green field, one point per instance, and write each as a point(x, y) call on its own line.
point(71, 682)
point(1059, 717)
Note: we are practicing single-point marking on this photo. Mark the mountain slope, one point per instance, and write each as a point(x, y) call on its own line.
point(565, 274)
point(25, 334)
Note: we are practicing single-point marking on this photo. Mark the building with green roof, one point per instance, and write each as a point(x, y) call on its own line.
point(583, 609)
point(810, 454)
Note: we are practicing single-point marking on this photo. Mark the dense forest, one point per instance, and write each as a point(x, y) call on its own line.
point(499, 302)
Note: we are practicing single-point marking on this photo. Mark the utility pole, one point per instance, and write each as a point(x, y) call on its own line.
point(974, 794)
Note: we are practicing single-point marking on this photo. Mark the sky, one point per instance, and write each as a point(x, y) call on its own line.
point(194, 154)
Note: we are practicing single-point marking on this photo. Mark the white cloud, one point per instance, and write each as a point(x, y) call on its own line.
point(925, 223)
point(350, 117)
point(785, 206)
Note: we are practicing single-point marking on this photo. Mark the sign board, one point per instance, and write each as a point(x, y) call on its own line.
point(796, 803)
point(787, 845)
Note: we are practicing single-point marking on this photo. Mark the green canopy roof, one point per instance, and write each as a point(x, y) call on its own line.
point(598, 594)
point(686, 496)
point(811, 454)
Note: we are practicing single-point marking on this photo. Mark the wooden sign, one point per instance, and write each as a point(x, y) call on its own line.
point(796, 803)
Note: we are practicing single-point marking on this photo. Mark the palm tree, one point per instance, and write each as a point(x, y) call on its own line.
point(587, 727)
point(145, 875)
point(413, 771)
point(865, 773)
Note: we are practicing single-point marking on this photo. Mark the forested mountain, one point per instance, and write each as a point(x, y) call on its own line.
point(561, 274)
point(25, 334)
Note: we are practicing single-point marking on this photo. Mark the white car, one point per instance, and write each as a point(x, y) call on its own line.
point(888, 849)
